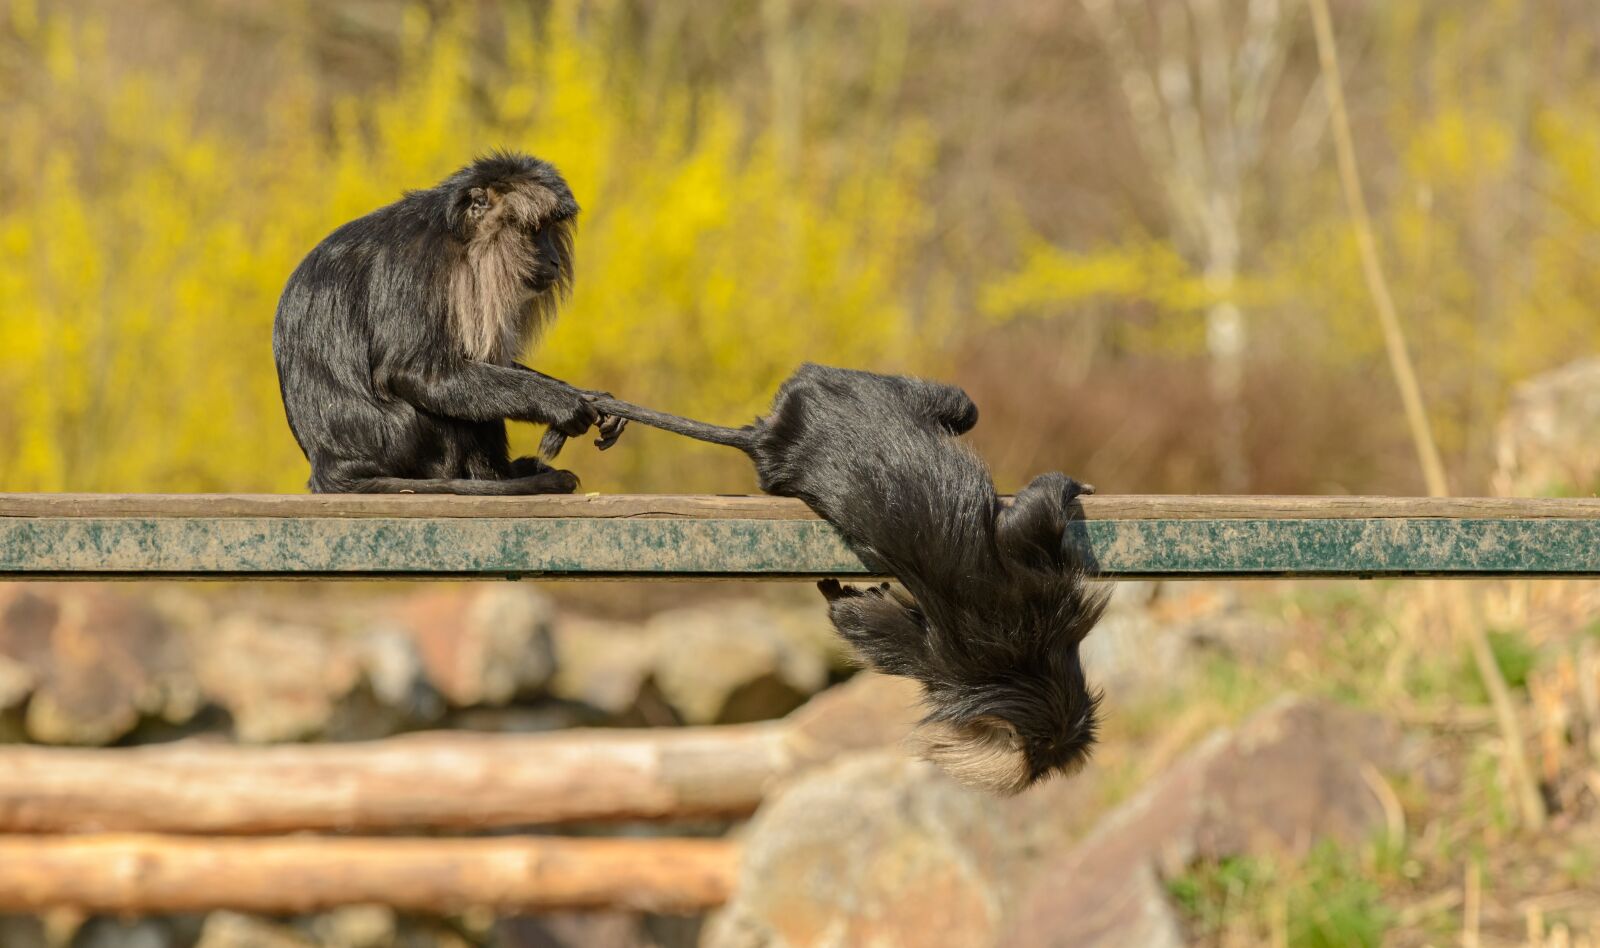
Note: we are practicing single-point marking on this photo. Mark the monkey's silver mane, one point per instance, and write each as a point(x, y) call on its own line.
point(503, 291)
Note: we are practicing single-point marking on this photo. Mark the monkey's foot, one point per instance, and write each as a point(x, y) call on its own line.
point(832, 589)
point(528, 467)
point(552, 481)
point(561, 482)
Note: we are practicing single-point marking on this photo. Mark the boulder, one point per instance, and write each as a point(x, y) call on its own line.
point(393, 669)
point(874, 849)
point(234, 930)
point(23, 931)
point(572, 930)
point(1289, 776)
point(1549, 437)
point(106, 932)
point(16, 683)
point(603, 665)
point(1148, 644)
point(93, 660)
point(481, 643)
point(355, 926)
point(736, 661)
point(279, 681)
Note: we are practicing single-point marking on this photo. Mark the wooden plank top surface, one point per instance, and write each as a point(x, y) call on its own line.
point(742, 507)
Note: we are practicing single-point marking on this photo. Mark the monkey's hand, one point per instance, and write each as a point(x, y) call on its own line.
point(576, 417)
point(610, 428)
point(610, 425)
point(573, 412)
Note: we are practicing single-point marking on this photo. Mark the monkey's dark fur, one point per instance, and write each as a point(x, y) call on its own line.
point(396, 337)
point(997, 605)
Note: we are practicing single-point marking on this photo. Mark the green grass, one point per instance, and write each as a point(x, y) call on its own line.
point(1328, 900)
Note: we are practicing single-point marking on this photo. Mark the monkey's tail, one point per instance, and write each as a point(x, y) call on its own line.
point(740, 438)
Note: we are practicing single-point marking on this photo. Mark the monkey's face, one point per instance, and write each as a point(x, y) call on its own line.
point(519, 209)
point(1033, 727)
point(529, 216)
point(1007, 700)
point(509, 218)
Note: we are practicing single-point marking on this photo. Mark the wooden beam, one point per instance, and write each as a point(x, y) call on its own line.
point(146, 875)
point(642, 537)
point(456, 781)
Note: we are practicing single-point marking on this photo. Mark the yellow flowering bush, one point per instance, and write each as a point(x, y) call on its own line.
point(142, 252)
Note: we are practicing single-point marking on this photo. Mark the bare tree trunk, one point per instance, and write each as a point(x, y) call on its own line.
point(787, 89)
point(1405, 376)
point(1198, 104)
point(1226, 346)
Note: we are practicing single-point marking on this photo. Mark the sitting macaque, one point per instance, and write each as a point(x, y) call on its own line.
point(396, 338)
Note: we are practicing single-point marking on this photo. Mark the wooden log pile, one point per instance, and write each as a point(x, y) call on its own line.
point(195, 826)
point(181, 828)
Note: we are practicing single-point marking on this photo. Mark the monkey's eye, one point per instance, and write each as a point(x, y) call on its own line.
point(480, 200)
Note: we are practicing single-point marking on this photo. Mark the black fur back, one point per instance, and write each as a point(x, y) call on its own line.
point(998, 605)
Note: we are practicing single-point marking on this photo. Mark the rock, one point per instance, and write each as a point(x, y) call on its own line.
point(392, 667)
point(1287, 777)
point(601, 664)
point(13, 730)
point(23, 931)
point(572, 930)
point(280, 681)
point(355, 926)
point(521, 719)
point(1549, 438)
point(233, 930)
point(94, 660)
point(286, 671)
point(1147, 645)
point(1130, 655)
point(874, 849)
point(728, 663)
point(735, 662)
point(115, 933)
point(16, 682)
point(484, 643)
point(874, 712)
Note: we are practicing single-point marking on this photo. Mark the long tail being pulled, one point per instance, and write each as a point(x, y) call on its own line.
point(740, 438)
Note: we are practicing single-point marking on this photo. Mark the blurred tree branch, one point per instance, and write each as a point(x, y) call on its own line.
point(1529, 801)
point(1198, 102)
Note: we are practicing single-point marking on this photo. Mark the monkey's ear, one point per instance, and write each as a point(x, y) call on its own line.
point(466, 206)
point(985, 753)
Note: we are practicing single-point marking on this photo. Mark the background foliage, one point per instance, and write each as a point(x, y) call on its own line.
point(143, 248)
point(899, 186)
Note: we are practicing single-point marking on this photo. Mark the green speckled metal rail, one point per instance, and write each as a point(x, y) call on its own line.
point(582, 547)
